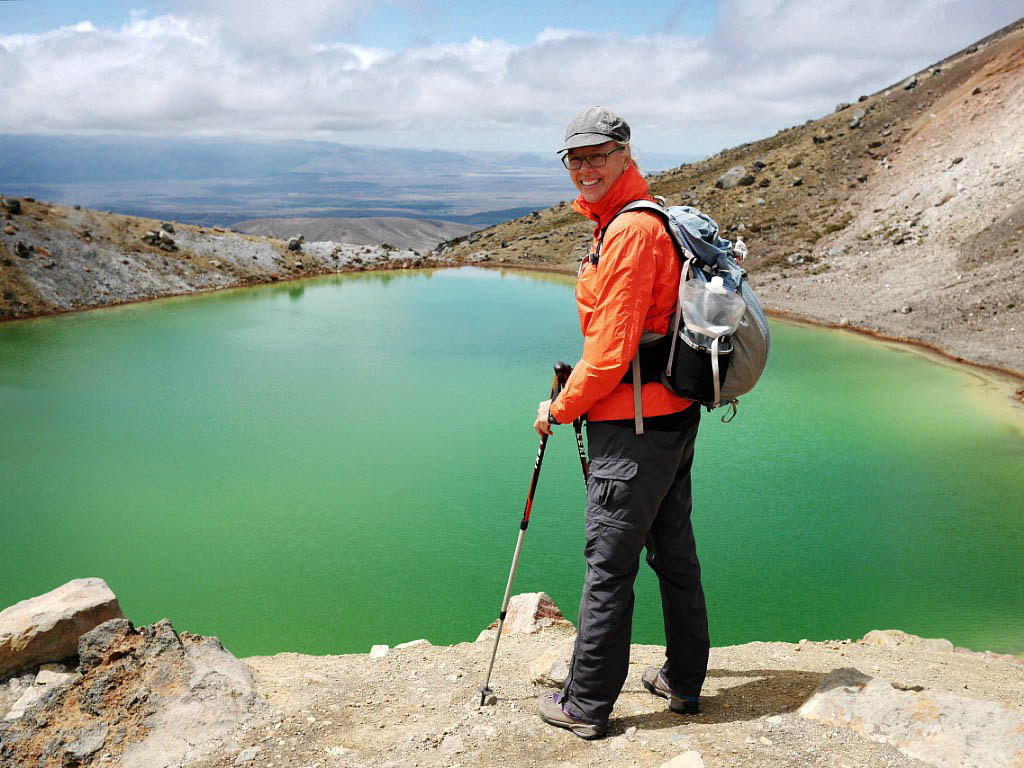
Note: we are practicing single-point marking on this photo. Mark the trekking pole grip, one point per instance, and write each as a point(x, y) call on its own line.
point(562, 371)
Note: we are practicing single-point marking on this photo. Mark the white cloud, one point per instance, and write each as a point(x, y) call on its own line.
point(284, 73)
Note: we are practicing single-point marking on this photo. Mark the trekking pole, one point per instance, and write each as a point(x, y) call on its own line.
point(561, 374)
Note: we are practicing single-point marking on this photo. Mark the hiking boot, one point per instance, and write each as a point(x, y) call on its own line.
point(656, 683)
point(551, 712)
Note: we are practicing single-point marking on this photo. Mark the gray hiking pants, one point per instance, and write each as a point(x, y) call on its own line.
point(638, 496)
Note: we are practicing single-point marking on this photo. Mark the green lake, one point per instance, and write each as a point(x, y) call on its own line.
point(322, 466)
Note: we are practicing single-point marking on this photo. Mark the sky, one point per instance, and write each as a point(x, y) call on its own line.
point(690, 77)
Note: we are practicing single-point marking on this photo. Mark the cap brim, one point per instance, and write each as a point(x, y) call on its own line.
point(584, 140)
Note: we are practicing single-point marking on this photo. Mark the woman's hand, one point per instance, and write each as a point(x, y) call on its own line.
point(541, 425)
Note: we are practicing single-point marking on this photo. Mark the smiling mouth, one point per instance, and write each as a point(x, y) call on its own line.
point(589, 183)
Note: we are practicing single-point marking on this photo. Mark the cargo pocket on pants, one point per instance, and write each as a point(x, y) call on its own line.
point(608, 490)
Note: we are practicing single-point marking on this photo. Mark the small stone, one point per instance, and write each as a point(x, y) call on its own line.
point(794, 162)
point(53, 674)
point(297, 265)
point(910, 83)
point(631, 733)
point(956, 161)
point(798, 181)
point(764, 183)
point(421, 643)
point(691, 759)
point(378, 651)
point(862, 98)
point(294, 243)
point(215, 262)
point(795, 259)
point(167, 227)
point(451, 744)
point(976, 91)
point(9, 230)
point(247, 755)
point(12, 206)
point(843, 322)
point(841, 106)
point(165, 236)
point(747, 180)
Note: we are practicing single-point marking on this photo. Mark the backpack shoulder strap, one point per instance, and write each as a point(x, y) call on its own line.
point(642, 205)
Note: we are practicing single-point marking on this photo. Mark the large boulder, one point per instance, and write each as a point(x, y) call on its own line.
point(731, 178)
point(146, 697)
point(527, 613)
point(936, 727)
point(47, 628)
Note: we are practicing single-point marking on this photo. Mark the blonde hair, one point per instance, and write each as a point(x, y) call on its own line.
point(629, 149)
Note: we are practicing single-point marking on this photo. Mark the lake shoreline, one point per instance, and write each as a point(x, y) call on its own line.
point(191, 269)
point(1007, 378)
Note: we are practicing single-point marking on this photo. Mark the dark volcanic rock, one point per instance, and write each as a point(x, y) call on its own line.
point(101, 645)
point(147, 697)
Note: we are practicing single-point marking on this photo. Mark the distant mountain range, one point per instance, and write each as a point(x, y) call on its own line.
point(222, 182)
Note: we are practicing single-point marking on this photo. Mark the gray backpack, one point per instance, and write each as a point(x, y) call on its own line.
point(712, 372)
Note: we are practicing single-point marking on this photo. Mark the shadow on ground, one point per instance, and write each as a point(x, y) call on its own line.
point(731, 696)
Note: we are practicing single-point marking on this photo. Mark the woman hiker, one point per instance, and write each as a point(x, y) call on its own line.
point(638, 494)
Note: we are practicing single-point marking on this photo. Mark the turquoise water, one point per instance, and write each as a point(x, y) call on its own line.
point(327, 465)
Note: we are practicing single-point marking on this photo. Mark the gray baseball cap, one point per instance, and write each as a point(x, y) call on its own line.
point(595, 125)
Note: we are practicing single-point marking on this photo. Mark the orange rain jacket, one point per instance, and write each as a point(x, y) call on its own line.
point(633, 288)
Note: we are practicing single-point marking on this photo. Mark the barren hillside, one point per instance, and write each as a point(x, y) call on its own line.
point(421, 234)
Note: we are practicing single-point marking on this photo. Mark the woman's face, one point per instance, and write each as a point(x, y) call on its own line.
point(593, 183)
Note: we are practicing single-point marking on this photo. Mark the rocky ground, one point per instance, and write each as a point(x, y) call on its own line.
point(152, 698)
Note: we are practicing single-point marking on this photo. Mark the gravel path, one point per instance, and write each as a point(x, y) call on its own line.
point(416, 707)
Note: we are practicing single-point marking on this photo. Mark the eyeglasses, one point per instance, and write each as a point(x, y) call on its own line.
point(595, 160)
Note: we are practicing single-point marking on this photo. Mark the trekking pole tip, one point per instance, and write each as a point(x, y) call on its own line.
point(487, 697)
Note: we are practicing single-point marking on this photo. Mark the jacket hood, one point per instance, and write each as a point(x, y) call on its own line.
point(630, 186)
